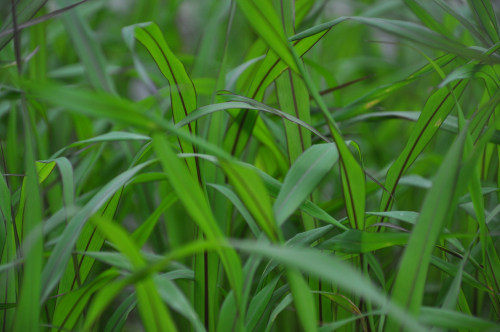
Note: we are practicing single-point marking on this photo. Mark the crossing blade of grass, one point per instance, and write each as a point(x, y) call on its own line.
point(258, 304)
point(57, 262)
point(89, 240)
point(24, 12)
point(303, 177)
point(303, 240)
point(282, 305)
point(142, 233)
point(409, 285)
point(71, 306)
point(352, 175)
point(8, 32)
point(274, 186)
point(194, 200)
point(229, 194)
point(248, 104)
point(155, 316)
point(366, 102)
point(253, 194)
point(453, 271)
point(239, 132)
point(436, 109)
point(114, 136)
point(335, 326)
point(265, 21)
point(331, 269)
point(469, 70)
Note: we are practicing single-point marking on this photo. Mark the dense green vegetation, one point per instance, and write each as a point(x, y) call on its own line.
point(249, 165)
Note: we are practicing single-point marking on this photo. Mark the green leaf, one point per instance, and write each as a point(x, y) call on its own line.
point(265, 21)
point(436, 109)
point(331, 269)
point(56, 264)
point(408, 288)
point(28, 310)
point(258, 304)
point(294, 100)
point(154, 314)
point(182, 91)
point(173, 296)
point(355, 241)
point(114, 136)
point(246, 104)
point(191, 195)
point(238, 204)
point(410, 31)
point(303, 177)
point(142, 233)
point(485, 18)
point(70, 307)
point(425, 17)
point(117, 320)
point(254, 195)
point(453, 320)
point(271, 68)
point(304, 301)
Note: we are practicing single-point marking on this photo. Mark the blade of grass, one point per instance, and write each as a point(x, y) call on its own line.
point(194, 200)
point(485, 18)
point(329, 268)
point(253, 194)
point(436, 109)
point(155, 315)
point(264, 19)
point(409, 285)
point(57, 262)
point(182, 91)
point(303, 177)
point(304, 301)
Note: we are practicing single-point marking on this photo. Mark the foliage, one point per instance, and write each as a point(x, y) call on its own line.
point(249, 165)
